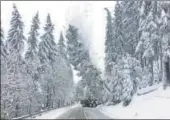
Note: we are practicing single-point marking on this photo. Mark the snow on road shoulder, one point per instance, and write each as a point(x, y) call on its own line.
point(148, 89)
point(154, 105)
point(53, 114)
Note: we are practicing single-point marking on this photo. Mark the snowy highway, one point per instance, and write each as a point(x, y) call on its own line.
point(83, 113)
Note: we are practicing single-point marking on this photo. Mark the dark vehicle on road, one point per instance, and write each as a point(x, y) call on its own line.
point(90, 102)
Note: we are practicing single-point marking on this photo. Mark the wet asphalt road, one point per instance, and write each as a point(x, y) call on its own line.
point(83, 113)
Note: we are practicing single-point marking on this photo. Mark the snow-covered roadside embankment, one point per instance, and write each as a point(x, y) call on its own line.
point(154, 105)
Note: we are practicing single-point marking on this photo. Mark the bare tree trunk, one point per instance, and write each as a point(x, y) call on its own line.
point(161, 62)
point(16, 110)
point(168, 71)
point(161, 74)
point(47, 102)
point(152, 80)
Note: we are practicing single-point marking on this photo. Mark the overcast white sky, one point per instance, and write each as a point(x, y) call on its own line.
point(88, 16)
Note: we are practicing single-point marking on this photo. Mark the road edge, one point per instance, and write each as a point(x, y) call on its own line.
point(84, 113)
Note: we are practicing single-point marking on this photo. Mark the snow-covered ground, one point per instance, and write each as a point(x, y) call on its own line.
point(154, 105)
point(53, 114)
point(148, 89)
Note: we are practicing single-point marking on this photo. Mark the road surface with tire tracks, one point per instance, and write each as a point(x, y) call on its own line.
point(83, 113)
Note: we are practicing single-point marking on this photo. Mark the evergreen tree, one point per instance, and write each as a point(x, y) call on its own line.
point(15, 38)
point(47, 52)
point(149, 37)
point(118, 33)
point(55, 83)
point(80, 59)
point(117, 52)
point(61, 45)
point(74, 46)
point(3, 76)
point(47, 47)
point(15, 45)
point(43, 78)
point(32, 62)
point(31, 55)
point(109, 49)
point(33, 39)
point(77, 55)
point(3, 49)
point(165, 28)
point(130, 25)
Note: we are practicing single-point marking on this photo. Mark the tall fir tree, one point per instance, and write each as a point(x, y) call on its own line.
point(47, 50)
point(32, 63)
point(33, 39)
point(74, 46)
point(47, 47)
point(116, 53)
point(15, 37)
point(165, 28)
point(80, 59)
point(3, 76)
point(31, 54)
point(3, 49)
point(15, 45)
point(130, 25)
point(118, 33)
point(61, 45)
point(149, 36)
point(109, 46)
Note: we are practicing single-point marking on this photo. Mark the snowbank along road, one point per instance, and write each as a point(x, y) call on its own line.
point(83, 113)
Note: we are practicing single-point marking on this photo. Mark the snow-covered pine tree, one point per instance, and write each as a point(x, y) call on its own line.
point(117, 52)
point(77, 56)
point(80, 59)
point(54, 69)
point(118, 33)
point(74, 46)
point(165, 28)
point(67, 84)
point(32, 63)
point(3, 49)
point(130, 25)
point(96, 86)
point(3, 76)
point(47, 54)
point(33, 39)
point(15, 79)
point(140, 47)
point(47, 47)
point(149, 37)
point(15, 37)
point(61, 45)
point(131, 69)
point(139, 50)
point(109, 46)
point(125, 39)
